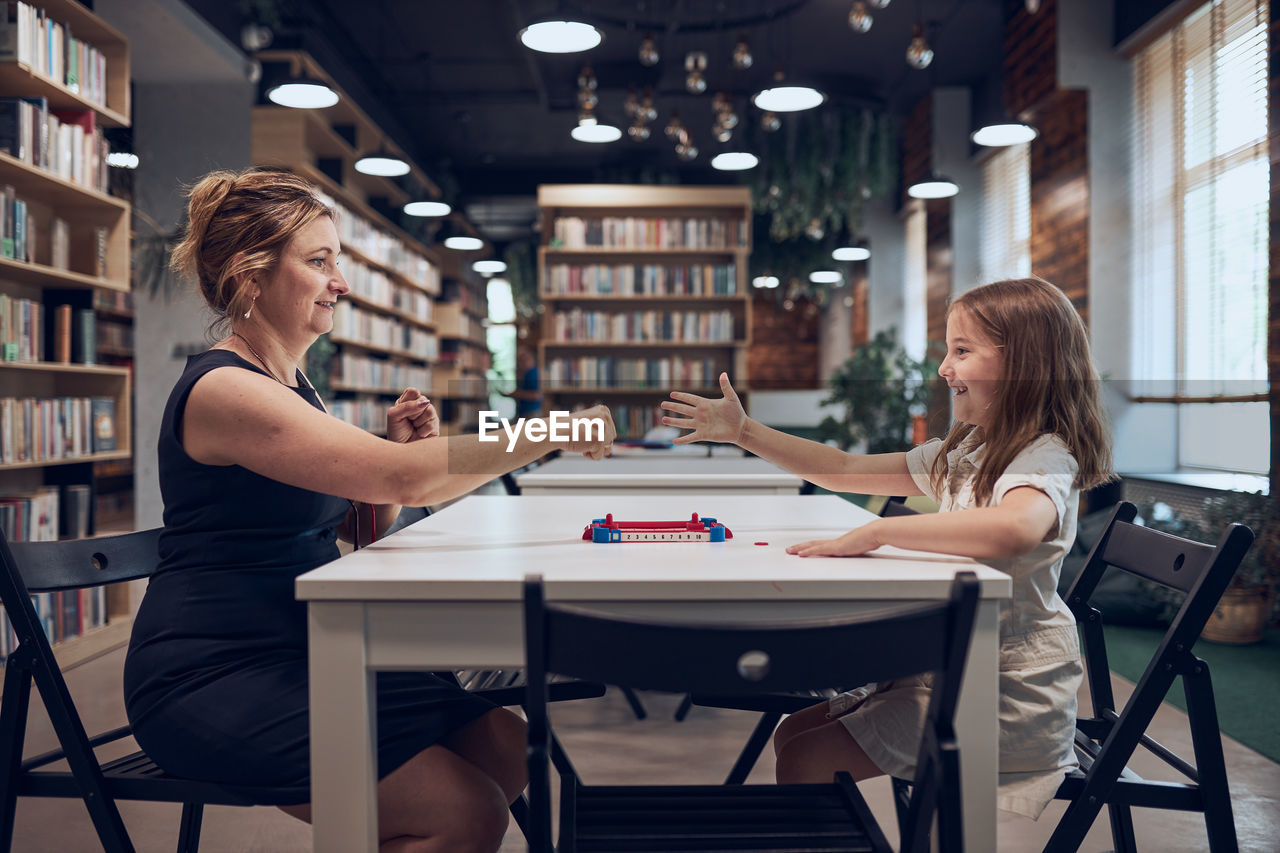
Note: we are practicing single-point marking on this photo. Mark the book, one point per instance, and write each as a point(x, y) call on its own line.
point(103, 417)
point(100, 236)
point(61, 350)
point(59, 243)
point(84, 337)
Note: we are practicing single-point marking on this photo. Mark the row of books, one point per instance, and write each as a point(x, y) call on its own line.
point(67, 143)
point(24, 338)
point(377, 330)
point(29, 36)
point(641, 280)
point(369, 415)
point(639, 232)
point(375, 286)
point(454, 353)
point(63, 615)
point(633, 421)
point(34, 429)
point(115, 336)
point(383, 248)
point(640, 326)
point(116, 301)
point(613, 372)
point(17, 227)
point(379, 374)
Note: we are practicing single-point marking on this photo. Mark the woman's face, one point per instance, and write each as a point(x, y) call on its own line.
point(973, 366)
point(300, 297)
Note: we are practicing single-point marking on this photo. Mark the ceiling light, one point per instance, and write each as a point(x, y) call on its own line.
point(860, 19)
point(1003, 134)
point(919, 54)
point(427, 208)
point(825, 277)
point(934, 186)
point(742, 58)
point(489, 267)
point(734, 161)
point(303, 93)
point(851, 253)
point(382, 163)
point(560, 36)
point(767, 281)
point(595, 133)
point(788, 99)
point(463, 244)
point(122, 160)
point(649, 55)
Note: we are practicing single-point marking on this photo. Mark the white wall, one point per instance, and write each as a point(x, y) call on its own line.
point(953, 156)
point(191, 114)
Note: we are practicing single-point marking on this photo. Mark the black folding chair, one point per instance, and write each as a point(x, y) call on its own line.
point(1106, 741)
point(773, 707)
point(35, 567)
point(729, 659)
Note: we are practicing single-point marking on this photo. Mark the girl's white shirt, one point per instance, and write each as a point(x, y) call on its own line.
point(1040, 669)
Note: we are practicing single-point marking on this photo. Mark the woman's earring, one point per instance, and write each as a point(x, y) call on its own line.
point(251, 304)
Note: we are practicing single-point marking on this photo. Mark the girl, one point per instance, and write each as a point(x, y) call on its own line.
point(1028, 436)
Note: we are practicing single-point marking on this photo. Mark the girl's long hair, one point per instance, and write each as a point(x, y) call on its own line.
point(1050, 385)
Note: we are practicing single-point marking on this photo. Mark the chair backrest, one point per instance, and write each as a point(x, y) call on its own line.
point(724, 659)
point(896, 505)
point(1202, 571)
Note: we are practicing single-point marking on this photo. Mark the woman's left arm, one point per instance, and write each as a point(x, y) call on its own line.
point(411, 418)
point(1024, 518)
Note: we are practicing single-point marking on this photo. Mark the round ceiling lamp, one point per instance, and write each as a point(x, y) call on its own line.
point(560, 36)
point(427, 208)
point(857, 252)
point(934, 186)
point(825, 277)
point(1004, 134)
point(595, 132)
point(302, 93)
point(734, 161)
point(788, 99)
point(489, 267)
point(464, 244)
point(383, 164)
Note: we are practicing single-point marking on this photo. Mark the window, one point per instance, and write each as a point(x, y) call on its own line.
point(1201, 179)
point(1005, 226)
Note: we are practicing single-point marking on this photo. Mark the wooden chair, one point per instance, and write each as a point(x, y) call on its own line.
point(1106, 741)
point(728, 659)
point(34, 567)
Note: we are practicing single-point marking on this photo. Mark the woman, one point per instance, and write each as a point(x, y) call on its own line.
point(258, 484)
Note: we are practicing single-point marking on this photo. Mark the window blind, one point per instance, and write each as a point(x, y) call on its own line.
point(1200, 189)
point(1004, 228)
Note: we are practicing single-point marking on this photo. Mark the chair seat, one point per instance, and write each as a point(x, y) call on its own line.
point(714, 817)
point(137, 777)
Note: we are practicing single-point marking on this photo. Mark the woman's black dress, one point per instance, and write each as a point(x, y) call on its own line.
point(216, 675)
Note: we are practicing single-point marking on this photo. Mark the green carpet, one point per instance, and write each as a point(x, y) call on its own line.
point(1246, 681)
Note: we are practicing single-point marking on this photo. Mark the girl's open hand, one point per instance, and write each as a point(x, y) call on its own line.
point(711, 420)
point(854, 543)
point(412, 417)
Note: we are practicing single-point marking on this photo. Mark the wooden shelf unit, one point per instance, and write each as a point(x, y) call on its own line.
point(657, 276)
point(99, 259)
point(461, 379)
point(395, 280)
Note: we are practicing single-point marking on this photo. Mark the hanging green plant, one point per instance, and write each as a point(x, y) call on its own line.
point(522, 272)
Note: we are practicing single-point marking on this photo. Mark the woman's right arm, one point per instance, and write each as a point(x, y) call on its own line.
point(235, 417)
point(726, 420)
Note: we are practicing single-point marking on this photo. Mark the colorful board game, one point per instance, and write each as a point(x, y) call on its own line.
point(694, 530)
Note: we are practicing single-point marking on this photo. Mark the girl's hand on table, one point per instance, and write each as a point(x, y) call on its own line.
point(854, 543)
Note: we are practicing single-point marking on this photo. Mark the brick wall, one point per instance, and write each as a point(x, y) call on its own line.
point(784, 344)
point(1030, 54)
point(1060, 196)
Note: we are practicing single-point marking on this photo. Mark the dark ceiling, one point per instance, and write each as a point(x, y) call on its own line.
point(459, 91)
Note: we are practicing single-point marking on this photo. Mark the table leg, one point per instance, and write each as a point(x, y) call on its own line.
point(344, 736)
point(977, 729)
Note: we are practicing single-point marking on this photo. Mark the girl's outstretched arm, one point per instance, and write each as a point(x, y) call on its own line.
point(725, 420)
point(1025, 518)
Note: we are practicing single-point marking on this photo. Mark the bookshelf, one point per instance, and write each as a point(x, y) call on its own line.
point(65, 369)
point(645, 290)
point(385, 334)
point(462, 315)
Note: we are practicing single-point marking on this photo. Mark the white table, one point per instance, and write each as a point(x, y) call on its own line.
point(658, 474)
point(445, 593)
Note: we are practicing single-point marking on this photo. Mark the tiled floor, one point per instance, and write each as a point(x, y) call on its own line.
point(607, 743)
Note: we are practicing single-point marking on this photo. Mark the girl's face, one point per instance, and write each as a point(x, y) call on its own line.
point(972, 368)
point(300, 298)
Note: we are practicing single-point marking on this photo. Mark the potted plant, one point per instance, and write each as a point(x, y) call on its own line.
point(881, 390)
point(1249, 602)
